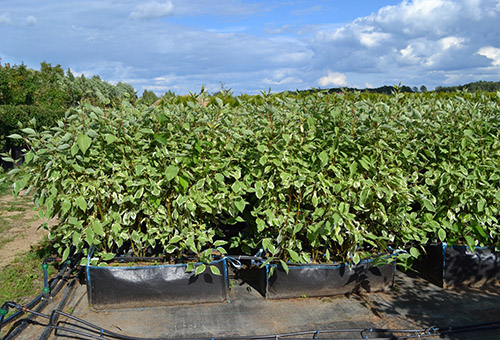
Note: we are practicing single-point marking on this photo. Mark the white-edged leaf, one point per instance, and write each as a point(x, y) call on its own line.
point(200, 269)
point(215, 270)
point(285, 266)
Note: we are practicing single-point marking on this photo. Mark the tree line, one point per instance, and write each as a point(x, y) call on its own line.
point(46, 94)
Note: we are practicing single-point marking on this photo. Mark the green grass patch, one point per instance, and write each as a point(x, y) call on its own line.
point(22, 280)
point(5, 183)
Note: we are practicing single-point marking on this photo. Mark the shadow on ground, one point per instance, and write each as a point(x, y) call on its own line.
point(416, 302)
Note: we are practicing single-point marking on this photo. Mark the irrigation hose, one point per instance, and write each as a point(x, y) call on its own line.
point(55, 286)
point(93, 331)
point(62, 304)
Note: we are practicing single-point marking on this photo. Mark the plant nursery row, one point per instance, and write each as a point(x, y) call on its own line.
point(303, 178)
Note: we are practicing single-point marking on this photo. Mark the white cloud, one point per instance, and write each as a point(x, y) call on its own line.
point(31, 20)
point(5, 18)
point(492, 53)
point(152, 10)
point(371, 39)
point(414, 42)
point(333, 78)
point(451, 42)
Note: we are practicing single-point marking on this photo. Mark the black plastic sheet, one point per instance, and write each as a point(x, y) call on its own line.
point(158, 285)
point(451, 266)
point(323, 280)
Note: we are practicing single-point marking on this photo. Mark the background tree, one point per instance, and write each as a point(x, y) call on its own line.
point(148, 97)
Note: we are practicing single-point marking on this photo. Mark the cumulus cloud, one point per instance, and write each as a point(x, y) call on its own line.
point(333, 78)
point(492, 53)
point(419, 41)
point(152, 10)
point(431, 42)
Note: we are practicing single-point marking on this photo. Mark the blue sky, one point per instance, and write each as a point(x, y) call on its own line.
point(251, 46)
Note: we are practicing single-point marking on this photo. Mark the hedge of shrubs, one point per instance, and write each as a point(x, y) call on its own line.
point(310, 178)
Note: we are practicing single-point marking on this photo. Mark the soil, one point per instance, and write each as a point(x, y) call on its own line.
point(19, 227)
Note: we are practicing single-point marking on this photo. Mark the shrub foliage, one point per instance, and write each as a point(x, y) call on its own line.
point(316, 177)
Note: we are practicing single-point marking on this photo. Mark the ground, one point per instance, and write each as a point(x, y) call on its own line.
point(19, 227)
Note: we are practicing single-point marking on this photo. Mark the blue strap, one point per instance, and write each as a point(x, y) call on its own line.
point(236, 264)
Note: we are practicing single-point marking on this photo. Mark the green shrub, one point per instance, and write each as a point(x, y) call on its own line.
point(317, 177)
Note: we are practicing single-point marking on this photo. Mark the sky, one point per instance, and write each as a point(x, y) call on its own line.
point(253, 46)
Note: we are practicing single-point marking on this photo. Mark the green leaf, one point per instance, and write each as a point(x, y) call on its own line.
point(160, 138)
point(175, 239)
point(263, 160)
point(219, 178)
point(215, 270)
point(65, 254)
point(480, 230)
point(81, 203)
point(442, 235)
point(323, 157)
point(200, 269)
point(83, 142)
point(480, 205)
point(190, 267)
point(364, 163)
point(74, 149)
point(97, 228)
point(428, 205)
point(356, 258)
point(63, 147)
point(236, 186)
point(285, 266)
point(8, 159)
point(414, 252)
point(107, 256)
point(471, 243)
point(259, 193)
point(183, 182)
point(138, 193)
point(314, 200)
point(28, 131)
point(353, 168)
point(15, 136)
point(240, 204)
point(219, 243)
point(171, 172)
point(89, 233)
point(109, 138)
point(76, 238)
point(293, 255)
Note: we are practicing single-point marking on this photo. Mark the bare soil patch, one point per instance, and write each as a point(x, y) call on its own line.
point(19, 227)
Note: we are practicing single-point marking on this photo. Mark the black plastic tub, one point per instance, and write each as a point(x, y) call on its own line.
point(313, 280)
point(119, 287)
point(453, 266)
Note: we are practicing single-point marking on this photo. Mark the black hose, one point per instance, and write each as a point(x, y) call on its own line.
point(53, 288)
point(54, 316)
point(285, 336)
point(101, 333)
point(15, 332)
